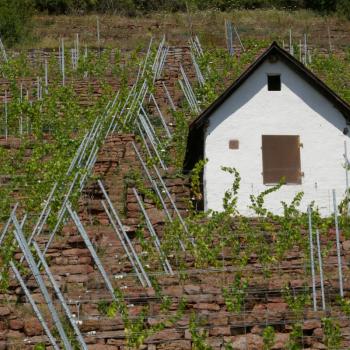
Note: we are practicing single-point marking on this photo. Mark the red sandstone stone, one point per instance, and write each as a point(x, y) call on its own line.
point(32, 327)
point(207, 306)
point(166, 334)
point(16, 324)
point(220, 331)
point(4, 311)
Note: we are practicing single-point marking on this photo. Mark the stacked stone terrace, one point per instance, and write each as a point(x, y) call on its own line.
point(202, 289)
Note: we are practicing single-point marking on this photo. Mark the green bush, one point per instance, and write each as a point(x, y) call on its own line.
point(65, 6)
point(14, 20)
point(343, 8)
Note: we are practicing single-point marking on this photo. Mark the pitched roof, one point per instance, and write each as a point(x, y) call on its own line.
point(195, 141)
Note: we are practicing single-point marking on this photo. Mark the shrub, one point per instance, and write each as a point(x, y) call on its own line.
point(14, 20)
point(343, 8)
point(65, 6)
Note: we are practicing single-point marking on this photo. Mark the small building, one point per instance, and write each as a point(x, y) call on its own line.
point(277, 120)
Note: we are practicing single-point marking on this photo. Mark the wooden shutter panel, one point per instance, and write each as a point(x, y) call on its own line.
point(281, 158)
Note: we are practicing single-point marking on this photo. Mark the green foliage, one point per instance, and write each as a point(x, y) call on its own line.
point(295, 337)
point(235, 294)
point(196, 177)
point(297, 302)
point(198, 335)
point(259, 201)
point(14, 20)
point(345, 305)
point(343, 8)
point(268, 337)
point(136, 329)
point(40, 346)
point(134, 7)
point(332, 334)
point(230, 196)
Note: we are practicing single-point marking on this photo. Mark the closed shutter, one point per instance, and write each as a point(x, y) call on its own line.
point(281, 158)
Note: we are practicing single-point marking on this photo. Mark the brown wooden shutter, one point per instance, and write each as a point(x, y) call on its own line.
point(281, 158)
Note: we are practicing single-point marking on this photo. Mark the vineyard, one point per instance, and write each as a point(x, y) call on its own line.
point(102, 241)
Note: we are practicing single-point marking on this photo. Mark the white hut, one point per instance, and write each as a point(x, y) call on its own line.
point(277, 120)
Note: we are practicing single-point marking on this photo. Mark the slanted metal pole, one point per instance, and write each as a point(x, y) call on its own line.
point(36, 273)
point(172, 201)
point(156, 189)
point(2, 48)
point(6, 115)
point(291, 48)
point(340, 272)
point(347, 165)
point(163, 258)
point(42, 218)
point(153, 146)
point(61, 213)
point(62, 64)
point(60, 297)
point(34, 306)
point(239, 38)
point(147, 56)
point(98, 34)
point(125, 235)
point(314, 296)
point(46, 77)
point(320, 265)
point(161, 116)
point(8, 223)
point(91, 249)
point(145, 282)
point(169, 97)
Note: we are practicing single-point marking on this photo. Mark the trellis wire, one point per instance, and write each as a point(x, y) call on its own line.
point(312, 264)
point(340, 273)
point(36, 273)
point(166, 265)
point(60, 297)
point(34, 306)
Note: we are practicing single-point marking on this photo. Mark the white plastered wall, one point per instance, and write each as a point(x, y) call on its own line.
point(253, 111)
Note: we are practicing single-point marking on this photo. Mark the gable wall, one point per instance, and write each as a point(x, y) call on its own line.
point(298, 109)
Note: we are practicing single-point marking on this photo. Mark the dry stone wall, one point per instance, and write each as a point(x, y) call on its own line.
point(174, 300)
point(202, 289)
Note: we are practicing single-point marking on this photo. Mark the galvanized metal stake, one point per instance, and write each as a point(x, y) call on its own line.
point(309, 210)
point(320, 265)
point(340, 272)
